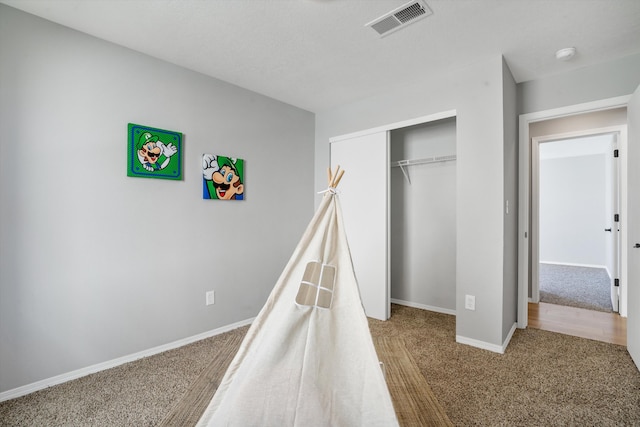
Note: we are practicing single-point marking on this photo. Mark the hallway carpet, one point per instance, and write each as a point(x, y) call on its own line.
point(582, 287)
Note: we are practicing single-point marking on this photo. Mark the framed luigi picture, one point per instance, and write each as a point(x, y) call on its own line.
point(154, 153)
point(222, 177)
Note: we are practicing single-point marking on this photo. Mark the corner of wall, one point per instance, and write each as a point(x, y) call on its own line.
point(510, 202)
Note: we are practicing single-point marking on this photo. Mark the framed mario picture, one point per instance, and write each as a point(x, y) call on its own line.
point(222, 177)
point(154, 153)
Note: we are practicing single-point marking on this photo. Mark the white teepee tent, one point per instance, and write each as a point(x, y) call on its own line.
point(308, 358)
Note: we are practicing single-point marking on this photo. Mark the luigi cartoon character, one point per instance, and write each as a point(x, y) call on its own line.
point(222, 177)
point(153, 154)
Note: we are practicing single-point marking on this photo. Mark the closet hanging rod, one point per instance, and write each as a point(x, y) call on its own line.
point(423, 161)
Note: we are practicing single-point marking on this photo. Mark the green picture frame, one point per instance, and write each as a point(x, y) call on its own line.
point(153, 152)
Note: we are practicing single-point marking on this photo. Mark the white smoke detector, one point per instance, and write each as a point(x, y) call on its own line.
point(399, 18)
point(566, 53)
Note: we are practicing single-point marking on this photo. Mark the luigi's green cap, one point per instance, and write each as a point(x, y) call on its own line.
point(145, 138)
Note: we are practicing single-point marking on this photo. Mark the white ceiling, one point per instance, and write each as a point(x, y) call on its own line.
point(317, 54)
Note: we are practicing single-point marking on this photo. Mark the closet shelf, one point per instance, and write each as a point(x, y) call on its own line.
point(426, 160)
point(423, 161)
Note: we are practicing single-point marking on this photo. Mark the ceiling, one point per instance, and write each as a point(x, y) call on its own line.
point(318, 54)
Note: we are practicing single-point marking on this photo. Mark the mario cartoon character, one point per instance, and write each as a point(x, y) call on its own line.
point(222, 177)
point(153, 154)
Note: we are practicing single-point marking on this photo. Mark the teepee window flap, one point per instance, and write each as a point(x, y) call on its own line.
point(316, 286)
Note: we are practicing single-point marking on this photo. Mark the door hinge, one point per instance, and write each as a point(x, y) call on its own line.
point(616, 217)
point(616, 153)
point(616, 282)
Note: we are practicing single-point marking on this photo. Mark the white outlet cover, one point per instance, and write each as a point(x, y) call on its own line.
point(470, 302)
point(210, 297)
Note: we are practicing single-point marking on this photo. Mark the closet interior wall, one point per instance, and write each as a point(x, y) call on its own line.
point(423, 217)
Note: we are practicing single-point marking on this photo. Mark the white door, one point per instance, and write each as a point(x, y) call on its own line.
point(364, 195)
point(633, 209)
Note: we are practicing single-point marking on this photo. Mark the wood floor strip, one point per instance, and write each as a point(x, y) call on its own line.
point(414, 402)
point(595, 325)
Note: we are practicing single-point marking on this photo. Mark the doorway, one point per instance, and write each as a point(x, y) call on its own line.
point(575, 208)
point(603, 116)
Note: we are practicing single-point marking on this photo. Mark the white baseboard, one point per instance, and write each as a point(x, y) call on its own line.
point(572, 264)
point(462, 340)
point(423, 306)
point(507, 340)
point(488, 346)
point(59, 379)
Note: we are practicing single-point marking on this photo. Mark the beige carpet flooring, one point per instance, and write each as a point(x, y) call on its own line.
point(543, 379)
point(413, 400)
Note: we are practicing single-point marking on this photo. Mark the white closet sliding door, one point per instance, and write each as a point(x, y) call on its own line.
point(364, 196)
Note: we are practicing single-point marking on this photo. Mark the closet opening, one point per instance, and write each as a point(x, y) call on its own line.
point(422, 230)
point(421, 237)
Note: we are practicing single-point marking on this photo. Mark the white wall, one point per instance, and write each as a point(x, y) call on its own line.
point(423, 217)
point(95, 265)
point(606, 80)
point(573, 209)
point(510, 206)
point(476, 93)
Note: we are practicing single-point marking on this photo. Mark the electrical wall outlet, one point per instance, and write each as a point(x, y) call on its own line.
point(210, 297)
point(470, 302)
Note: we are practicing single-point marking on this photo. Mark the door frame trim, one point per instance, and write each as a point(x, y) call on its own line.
point(617, 132)
point(524, 185)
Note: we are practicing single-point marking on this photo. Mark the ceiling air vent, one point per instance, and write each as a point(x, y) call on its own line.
point(400, 18)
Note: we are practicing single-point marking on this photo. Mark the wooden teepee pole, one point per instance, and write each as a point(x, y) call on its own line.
point(337, 179)
point(334, 177)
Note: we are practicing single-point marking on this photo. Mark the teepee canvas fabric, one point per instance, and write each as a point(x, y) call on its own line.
point(308, 358)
